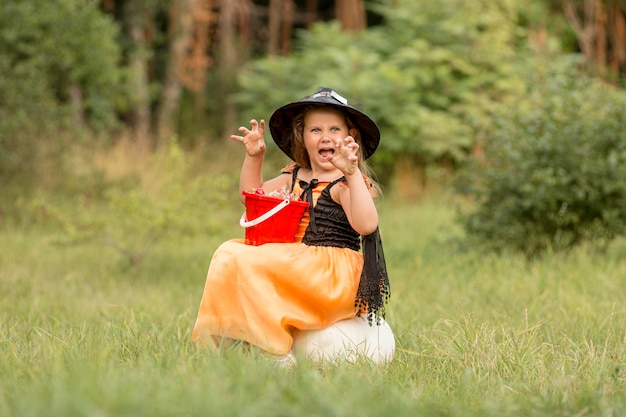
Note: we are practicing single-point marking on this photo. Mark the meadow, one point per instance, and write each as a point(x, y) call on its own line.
point(83, 333)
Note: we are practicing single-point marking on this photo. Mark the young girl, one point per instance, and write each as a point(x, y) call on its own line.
point(265, 295)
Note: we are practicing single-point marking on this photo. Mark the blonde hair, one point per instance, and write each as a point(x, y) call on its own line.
point(301, 156)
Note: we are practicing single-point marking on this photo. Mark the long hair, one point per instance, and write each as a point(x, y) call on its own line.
point(301, 156)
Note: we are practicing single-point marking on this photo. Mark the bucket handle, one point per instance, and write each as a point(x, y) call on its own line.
point(243, 222)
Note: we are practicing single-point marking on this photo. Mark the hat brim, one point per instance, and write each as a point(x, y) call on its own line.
point(281, 124)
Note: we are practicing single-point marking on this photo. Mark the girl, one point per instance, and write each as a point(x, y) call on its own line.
point(267, 295)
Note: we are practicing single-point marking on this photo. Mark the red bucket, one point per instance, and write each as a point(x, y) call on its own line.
point(271, 219)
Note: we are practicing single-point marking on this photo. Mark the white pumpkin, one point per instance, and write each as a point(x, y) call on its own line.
point(347, 340)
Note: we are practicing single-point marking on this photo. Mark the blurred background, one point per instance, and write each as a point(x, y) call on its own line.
point(517, 107)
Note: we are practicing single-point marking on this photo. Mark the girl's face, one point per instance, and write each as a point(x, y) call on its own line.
point(321, 128)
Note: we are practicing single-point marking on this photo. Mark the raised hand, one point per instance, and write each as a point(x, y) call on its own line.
point(345, 157)
point(253, 139)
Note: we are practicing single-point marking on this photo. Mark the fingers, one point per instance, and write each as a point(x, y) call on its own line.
point(256, 127)
point(346, 149)
point(347, 143)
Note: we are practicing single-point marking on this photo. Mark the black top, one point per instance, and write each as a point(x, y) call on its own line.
point(329, 226)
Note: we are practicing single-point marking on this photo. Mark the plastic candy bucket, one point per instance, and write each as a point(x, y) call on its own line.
point(271, 219)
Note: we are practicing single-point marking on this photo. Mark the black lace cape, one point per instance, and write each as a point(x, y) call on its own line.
point(329, 226)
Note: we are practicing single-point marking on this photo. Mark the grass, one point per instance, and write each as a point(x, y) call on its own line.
point(84, 334)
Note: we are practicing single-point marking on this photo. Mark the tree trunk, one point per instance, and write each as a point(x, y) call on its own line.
point(600, 36)
point(288, 13)
point(138, 67)
point(600, 29)
point(198, 60)
point(273, 38)
point(228, 60)
point(311, 11)
point(582, 26)
point(244, 15)
point(618, 39)
point(180, 30)
point(351, 14)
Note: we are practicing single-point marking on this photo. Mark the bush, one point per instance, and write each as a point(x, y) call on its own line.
point(132, 218)
point(59, 59)
point(430, 76)
point(552, 176)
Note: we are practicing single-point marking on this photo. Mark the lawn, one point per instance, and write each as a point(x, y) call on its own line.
point(83, 333)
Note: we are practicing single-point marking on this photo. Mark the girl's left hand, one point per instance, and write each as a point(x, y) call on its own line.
point(345, 157)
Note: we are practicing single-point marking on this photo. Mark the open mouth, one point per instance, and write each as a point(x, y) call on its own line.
point(327, 152)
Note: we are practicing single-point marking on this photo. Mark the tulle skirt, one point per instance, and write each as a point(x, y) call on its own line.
point(262, 294)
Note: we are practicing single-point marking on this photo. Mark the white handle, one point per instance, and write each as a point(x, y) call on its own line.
point(244, 223)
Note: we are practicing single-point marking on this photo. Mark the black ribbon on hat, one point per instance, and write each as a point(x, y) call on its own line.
point(308, 188)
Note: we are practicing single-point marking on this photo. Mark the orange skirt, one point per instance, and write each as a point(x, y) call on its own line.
point(260, 294)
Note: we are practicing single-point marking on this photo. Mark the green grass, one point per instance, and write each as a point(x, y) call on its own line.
point(84, 334)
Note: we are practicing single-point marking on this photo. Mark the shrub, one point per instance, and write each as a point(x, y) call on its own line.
point(429, 76)
point(552, 176)
point(132, 218)
point(58, 59)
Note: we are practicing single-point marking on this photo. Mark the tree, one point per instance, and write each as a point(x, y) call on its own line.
point(180, 32)
point(59, 68)
point(205, 42)
point(280, 27)
point(431, 76)
point(139, 16)
point(552, 177)
point(351, 14)
point(600, 27)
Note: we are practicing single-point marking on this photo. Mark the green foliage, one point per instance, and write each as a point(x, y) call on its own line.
point(133, 218)
point(553, 173)
point(51, 51)
point(477, 336)
point(430, 76)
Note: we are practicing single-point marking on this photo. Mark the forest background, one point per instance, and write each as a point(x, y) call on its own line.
point(443, 81)
point(502, 161)
point(463, 93)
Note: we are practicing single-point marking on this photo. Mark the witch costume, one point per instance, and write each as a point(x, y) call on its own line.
point(263, 294)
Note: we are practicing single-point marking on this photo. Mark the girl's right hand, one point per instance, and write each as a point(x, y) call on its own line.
point(253, 139)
